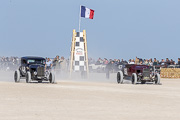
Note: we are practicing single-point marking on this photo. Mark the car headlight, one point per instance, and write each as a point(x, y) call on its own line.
point(35, 73)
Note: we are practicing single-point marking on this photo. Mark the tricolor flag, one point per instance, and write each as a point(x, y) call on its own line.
point(86, 12)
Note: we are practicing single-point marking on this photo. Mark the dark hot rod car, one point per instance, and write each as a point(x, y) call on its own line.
point(138, 73)
point(33, 69)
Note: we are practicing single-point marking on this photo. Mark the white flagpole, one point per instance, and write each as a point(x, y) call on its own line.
point(80, 19)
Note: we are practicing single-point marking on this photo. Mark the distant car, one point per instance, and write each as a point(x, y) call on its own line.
point(33, 69)
point(138, 73)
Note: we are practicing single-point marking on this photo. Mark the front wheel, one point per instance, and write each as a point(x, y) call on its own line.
point(157, 78)
point(28, 77)
point(52, 78)
point(134, 78)
point(120, 77)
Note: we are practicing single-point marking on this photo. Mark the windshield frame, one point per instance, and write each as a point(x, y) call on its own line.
point(36, 61)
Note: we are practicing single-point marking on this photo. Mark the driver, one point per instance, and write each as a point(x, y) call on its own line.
point(48, 64)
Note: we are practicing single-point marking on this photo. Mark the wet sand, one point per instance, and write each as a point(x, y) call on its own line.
point(88, 100)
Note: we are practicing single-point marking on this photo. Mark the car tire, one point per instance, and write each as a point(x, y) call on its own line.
point(17, 76)
point(120, 77)
point(134, 78)
point(51, 78)
point(28, 77)
point(157, 78)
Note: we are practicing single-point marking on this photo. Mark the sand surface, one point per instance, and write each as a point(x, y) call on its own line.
point(88, 100)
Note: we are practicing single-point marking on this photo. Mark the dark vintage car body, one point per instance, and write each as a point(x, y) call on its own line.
point(33, 68)
point(138, 73)
point(129, 69)
point(37, 66)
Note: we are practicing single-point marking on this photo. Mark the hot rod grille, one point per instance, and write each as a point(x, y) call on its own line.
point(146, 73)
point(40, 71)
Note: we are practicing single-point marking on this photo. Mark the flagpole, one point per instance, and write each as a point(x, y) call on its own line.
point(80, 19)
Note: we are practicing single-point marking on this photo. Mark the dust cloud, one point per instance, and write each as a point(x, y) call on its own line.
point(8, 76)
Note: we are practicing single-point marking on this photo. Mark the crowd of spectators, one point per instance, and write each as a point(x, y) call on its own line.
point(105, 61)
point(149, 62)
point(9, 63)
point(60, 63)
point(116, 64)
point(57, 63)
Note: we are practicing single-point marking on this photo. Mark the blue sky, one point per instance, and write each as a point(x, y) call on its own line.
point(120, 28)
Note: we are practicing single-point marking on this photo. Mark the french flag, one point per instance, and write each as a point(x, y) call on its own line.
point(86, 12)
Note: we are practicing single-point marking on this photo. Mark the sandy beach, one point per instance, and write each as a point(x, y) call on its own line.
point(88, 100)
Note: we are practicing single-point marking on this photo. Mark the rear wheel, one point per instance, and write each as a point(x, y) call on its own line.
point(120, 77)
point(157, 78)
point(17, 76)
point(134, 78)
point(28, 77)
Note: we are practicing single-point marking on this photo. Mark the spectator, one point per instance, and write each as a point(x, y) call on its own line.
point(118, 62)
point(162, 62)
point(158, 62)
point(150, 62)
point(129, 61)
point(123, 62)
point(146, 62)
point(105, 61)
point(63, 64)
point(56, 63)
point(155, 62)
point(137, 60)
point(109, 67)
point(178, 61)
point(167, 61)
point(99, 61)
point(132, 61)
point(172, 62)
point(46, 59)
point(115, 61)
point(48, 64)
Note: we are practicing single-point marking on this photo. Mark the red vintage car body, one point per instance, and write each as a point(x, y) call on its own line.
point(129, 69)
